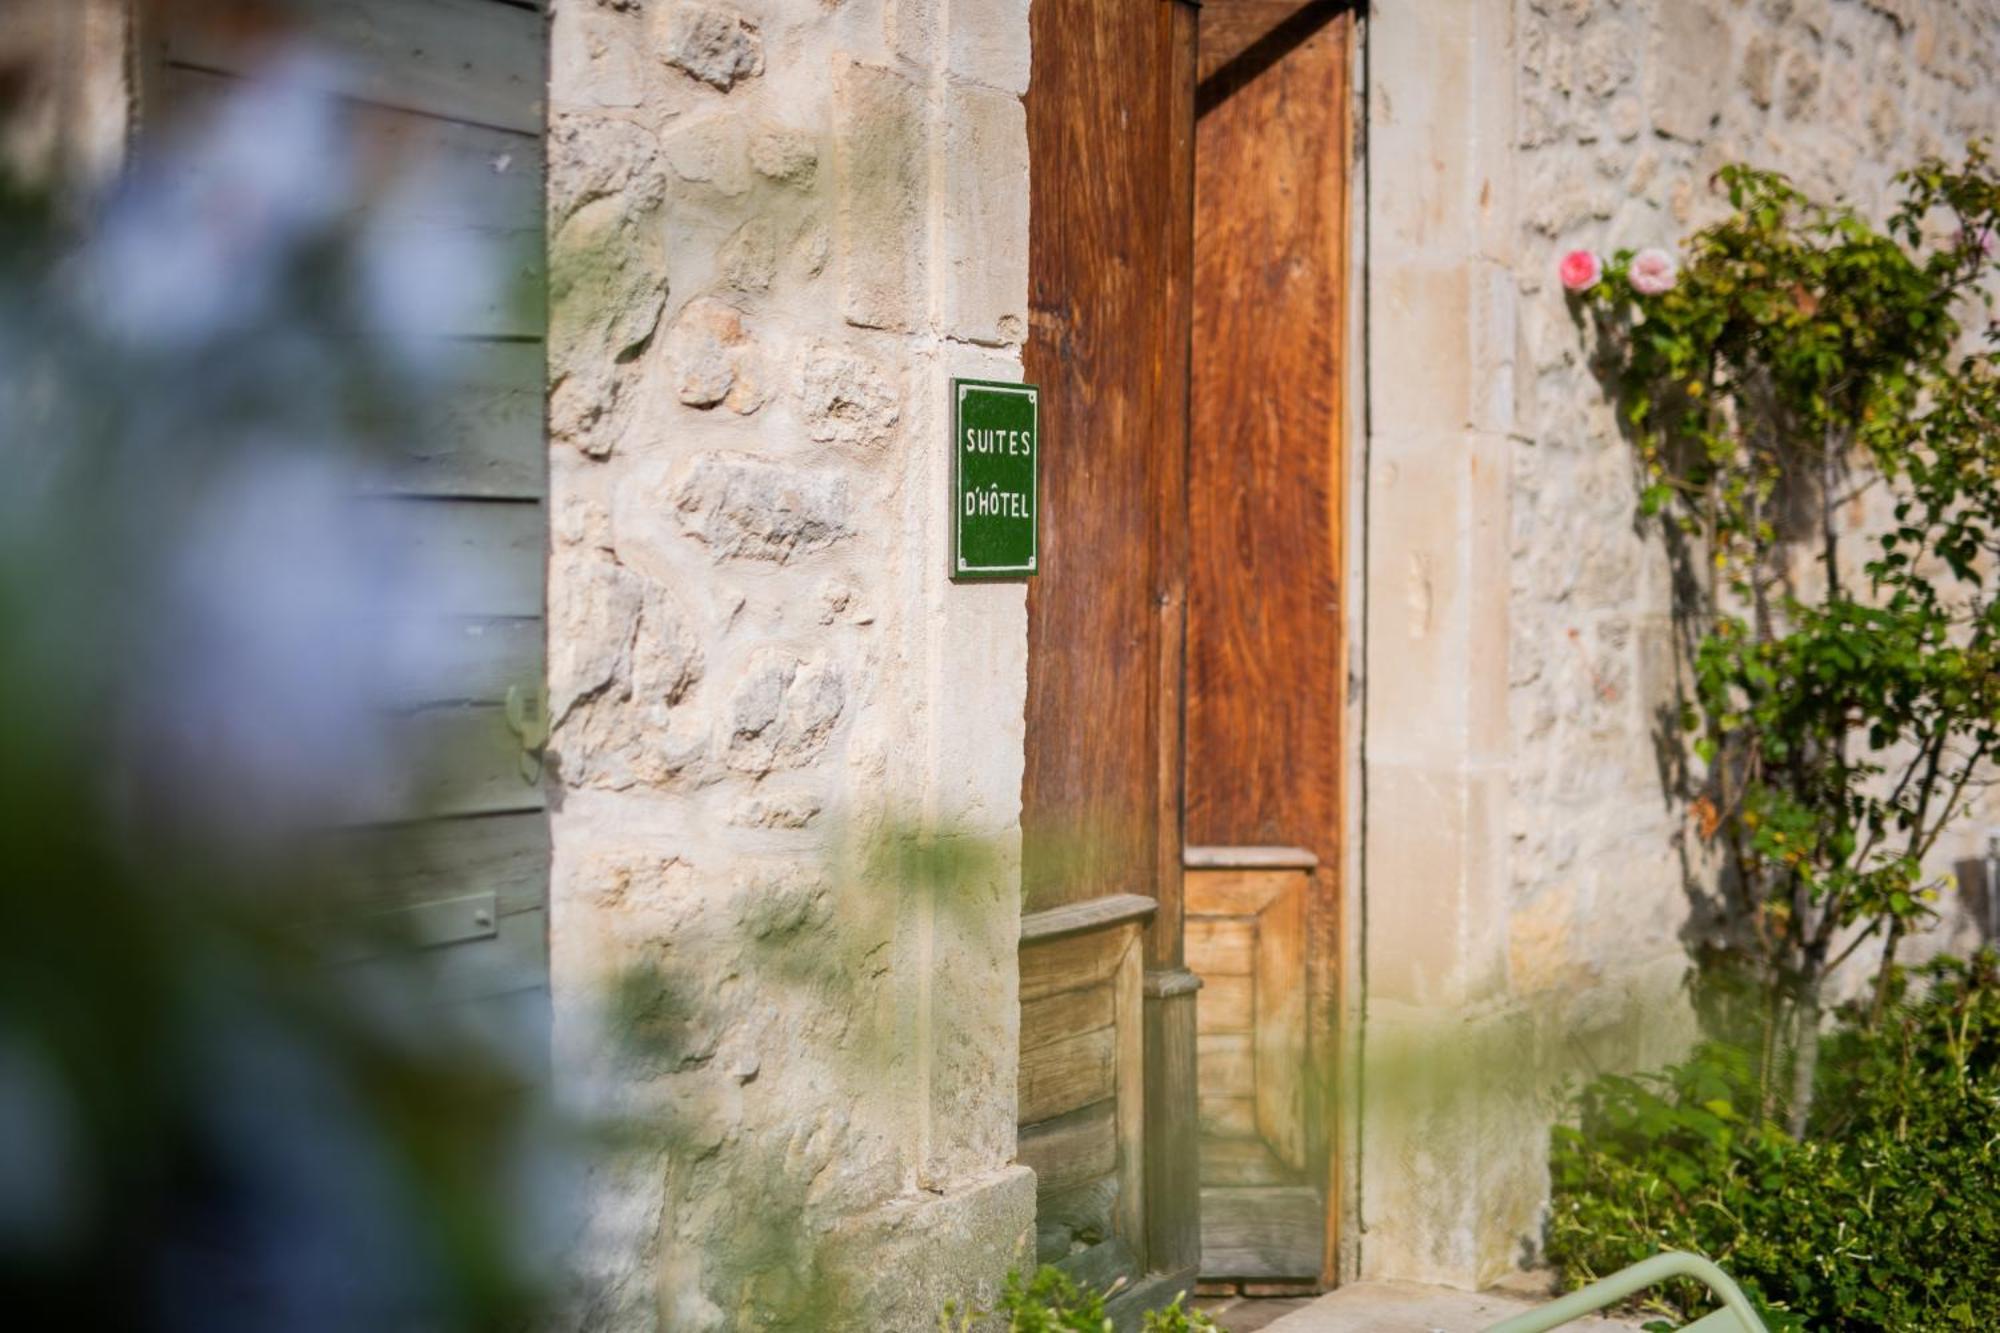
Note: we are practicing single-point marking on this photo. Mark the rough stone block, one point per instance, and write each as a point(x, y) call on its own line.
point(880, 170)
point(782, 712)
point(713, 45)
point(752, 509)
point(849, 399)
point(712, 357)
point(1688, 53)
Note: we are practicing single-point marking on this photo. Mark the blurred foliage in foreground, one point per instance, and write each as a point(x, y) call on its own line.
point(211, 1115)
point(1885, 1215)
point(1049, 1302)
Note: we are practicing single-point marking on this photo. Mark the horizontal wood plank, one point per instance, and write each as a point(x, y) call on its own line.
point(1072, 961)
point(1218, 947)
point(1072, 1149)
point(1067, 1074)
point(414, 168)
point(1225, 1004)
point(506, 855)
point(468, 661)
point(1087, 915)
point(1225, 1065)
point(1272, 1231)
point(1237, 892)
point(472, 558)
point(480, 431)
point(514, 959)
point(469, 763)
point(1249, 858)
point(1064, 1015)
point(469, 60)
point(1226, 1117)
point(1242, 1162)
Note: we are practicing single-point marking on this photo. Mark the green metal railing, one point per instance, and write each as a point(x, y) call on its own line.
point(1735, 1316)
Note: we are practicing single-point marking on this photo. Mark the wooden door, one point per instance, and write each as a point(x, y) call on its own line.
point(1266, 683)
point(452, 91)
point(1110, 117)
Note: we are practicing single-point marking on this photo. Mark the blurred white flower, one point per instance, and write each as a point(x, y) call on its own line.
point(264, 671)
point(422, 282)
point(195, 241)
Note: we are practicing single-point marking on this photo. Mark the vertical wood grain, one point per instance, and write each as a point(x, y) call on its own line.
point(1107, 345)
point(1266, 665)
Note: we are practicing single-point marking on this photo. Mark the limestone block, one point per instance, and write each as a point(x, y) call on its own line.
point(782, 711)
point(749, 258)
point(712, 357)
point(1688, 52)
point(881, 183)
point(594, 157)
point(778, 809)
point(786, 155)
point(908, 1258)
point(747, 508)
point(1758, 68)
point(595, 59)
point(848, 398)
point(715, 46)
point(1420, 115)
point(1420, 378)
point(623, 658)
point(710, 150)
point(985, 295)
point(1801, 85)
point(988, 43)
point(607, 288)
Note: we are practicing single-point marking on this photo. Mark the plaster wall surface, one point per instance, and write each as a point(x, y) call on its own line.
point(1526, 867)
point(777, 228)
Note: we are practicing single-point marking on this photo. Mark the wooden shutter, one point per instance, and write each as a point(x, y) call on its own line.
point(456, 87)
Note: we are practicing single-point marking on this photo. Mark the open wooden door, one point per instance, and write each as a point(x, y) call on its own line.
point(1266, 680)
point(1106, 1100)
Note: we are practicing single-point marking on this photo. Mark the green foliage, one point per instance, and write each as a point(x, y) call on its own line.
point(1843, 709)
point(1050, 1302)
point(1884, 1215)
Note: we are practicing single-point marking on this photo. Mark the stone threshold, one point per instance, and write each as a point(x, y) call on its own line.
point(1408, 1307)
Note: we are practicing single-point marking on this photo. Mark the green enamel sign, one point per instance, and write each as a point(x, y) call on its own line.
point(996, 457)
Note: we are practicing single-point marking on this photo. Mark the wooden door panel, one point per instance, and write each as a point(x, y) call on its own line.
point(1265, 671)
point(1107, 345)
point(1110, 135)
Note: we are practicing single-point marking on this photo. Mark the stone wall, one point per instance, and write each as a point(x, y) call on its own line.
point(1519, 650)
point(777, 228)
point(1625, 114)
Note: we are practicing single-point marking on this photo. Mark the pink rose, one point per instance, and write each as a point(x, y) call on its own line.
point(1580, 270)
point(1652, 272)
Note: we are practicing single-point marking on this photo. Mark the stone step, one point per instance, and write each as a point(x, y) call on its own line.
point(1407, 1307)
